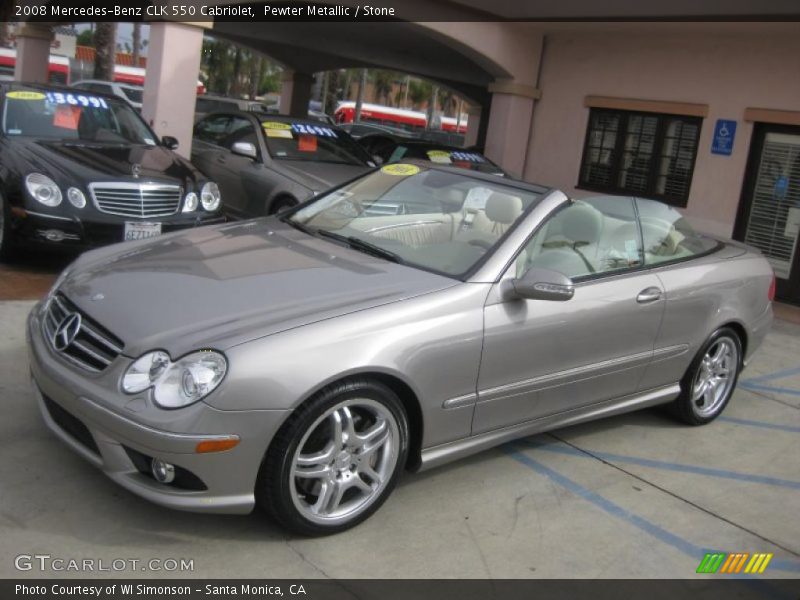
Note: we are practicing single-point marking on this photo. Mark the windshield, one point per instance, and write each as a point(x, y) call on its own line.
point(68, 116)
point(438, 220)
point(311, 143)
point(464, 159)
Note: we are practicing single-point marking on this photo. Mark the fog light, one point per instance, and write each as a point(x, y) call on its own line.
point(162, 471)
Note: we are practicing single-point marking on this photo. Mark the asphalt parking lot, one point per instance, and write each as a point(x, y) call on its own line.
point(633, 496)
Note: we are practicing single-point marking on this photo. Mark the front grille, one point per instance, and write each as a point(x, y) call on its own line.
point(71, 424)
point(85, 343)
point(139, 200)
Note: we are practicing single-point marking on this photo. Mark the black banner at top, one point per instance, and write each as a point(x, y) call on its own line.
point(71, 11)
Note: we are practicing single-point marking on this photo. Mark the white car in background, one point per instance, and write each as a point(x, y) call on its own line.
point(132, 94)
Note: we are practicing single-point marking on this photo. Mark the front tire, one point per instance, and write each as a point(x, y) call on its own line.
point(336, 459)
point(711, 379)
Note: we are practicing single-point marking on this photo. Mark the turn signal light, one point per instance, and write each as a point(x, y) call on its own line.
point(216, 445)
point(771, 292)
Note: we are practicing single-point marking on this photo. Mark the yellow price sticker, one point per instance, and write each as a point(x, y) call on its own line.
point(25, 95)
point(400, 169)
point(439, 156)
point(275, 125)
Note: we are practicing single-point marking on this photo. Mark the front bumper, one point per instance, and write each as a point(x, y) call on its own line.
point(92, 230)
point(122, 429)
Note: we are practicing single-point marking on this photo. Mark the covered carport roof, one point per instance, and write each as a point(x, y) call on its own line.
point(309, 47)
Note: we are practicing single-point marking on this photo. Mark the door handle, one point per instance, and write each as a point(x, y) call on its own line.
point(650, 294)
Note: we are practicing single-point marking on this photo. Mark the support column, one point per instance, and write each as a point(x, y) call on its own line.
point(295, 93)
point(507, 136)
point(473, 125)
point(170, 86)
point(33, 53)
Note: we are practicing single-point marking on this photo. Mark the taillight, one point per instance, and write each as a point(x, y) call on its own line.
point(771, 292)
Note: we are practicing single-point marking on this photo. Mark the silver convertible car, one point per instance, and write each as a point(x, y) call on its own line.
point(302, 362)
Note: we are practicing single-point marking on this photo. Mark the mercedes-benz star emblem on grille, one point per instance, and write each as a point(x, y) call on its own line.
point(136, 169)
point(67, 331)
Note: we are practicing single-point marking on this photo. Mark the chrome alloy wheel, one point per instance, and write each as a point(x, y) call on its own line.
point(344, 461)
point(715, 377)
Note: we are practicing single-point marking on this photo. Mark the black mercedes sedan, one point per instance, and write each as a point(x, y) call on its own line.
point(265, 163)
point(80, 169)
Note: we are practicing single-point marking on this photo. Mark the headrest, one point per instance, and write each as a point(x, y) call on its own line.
point(451, 199)
point(582, 223)
point(503, 208)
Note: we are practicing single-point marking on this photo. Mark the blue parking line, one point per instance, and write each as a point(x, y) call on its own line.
point(775, 375)
point(749, 385)
point(616, 510)
point(763, 424)
point(668, 466)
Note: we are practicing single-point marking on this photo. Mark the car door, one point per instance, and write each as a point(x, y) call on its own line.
point(545, 357)
point(241, 178)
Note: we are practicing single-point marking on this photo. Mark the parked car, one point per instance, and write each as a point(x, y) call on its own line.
point(265, 164)
point(80, 170)
point(132, 94)
point(393, 149)
point(302, 362)
point(209, 103)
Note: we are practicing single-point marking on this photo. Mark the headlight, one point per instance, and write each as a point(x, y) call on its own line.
point(145, 371)
point(210, 196)
point(190, 202)
point(43, 189)
point(76, 197)
point(179, 383)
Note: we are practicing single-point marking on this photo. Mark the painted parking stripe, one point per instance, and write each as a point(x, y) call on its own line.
point(667, 466)
point(764, 424)
point(616, 510)
point(776, 375)
point(748, 385)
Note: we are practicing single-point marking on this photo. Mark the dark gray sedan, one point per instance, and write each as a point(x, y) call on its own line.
point(267, 163)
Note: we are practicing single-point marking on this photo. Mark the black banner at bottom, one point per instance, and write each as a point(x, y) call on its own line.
point(412, 589)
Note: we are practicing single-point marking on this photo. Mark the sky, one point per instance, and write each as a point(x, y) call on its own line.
point(124, 33)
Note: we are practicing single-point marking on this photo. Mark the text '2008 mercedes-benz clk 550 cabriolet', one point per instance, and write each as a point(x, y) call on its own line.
point(302, 362)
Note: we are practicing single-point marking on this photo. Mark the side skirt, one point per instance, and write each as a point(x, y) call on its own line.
point(444, 453)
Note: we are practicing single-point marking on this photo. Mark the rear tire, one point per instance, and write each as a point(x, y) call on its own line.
point(336, 459)
point(711, 379)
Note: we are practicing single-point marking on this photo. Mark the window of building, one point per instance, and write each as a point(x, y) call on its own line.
point(641, 154)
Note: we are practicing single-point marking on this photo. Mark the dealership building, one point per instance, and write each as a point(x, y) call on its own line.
point(693, 105)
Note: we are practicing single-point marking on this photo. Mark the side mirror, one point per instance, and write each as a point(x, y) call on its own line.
point(169, 142)
point(245, 149)
point(543, 284)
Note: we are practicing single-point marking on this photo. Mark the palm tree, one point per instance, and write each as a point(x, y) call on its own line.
point(419, 91)
point(382, 83)
point(137, 42)
point(105, 50)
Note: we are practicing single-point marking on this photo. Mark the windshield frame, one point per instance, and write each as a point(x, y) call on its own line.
point(529, 188)
point(115, 101)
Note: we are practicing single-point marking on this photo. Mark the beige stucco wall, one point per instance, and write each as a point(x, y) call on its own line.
point(728, 71)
